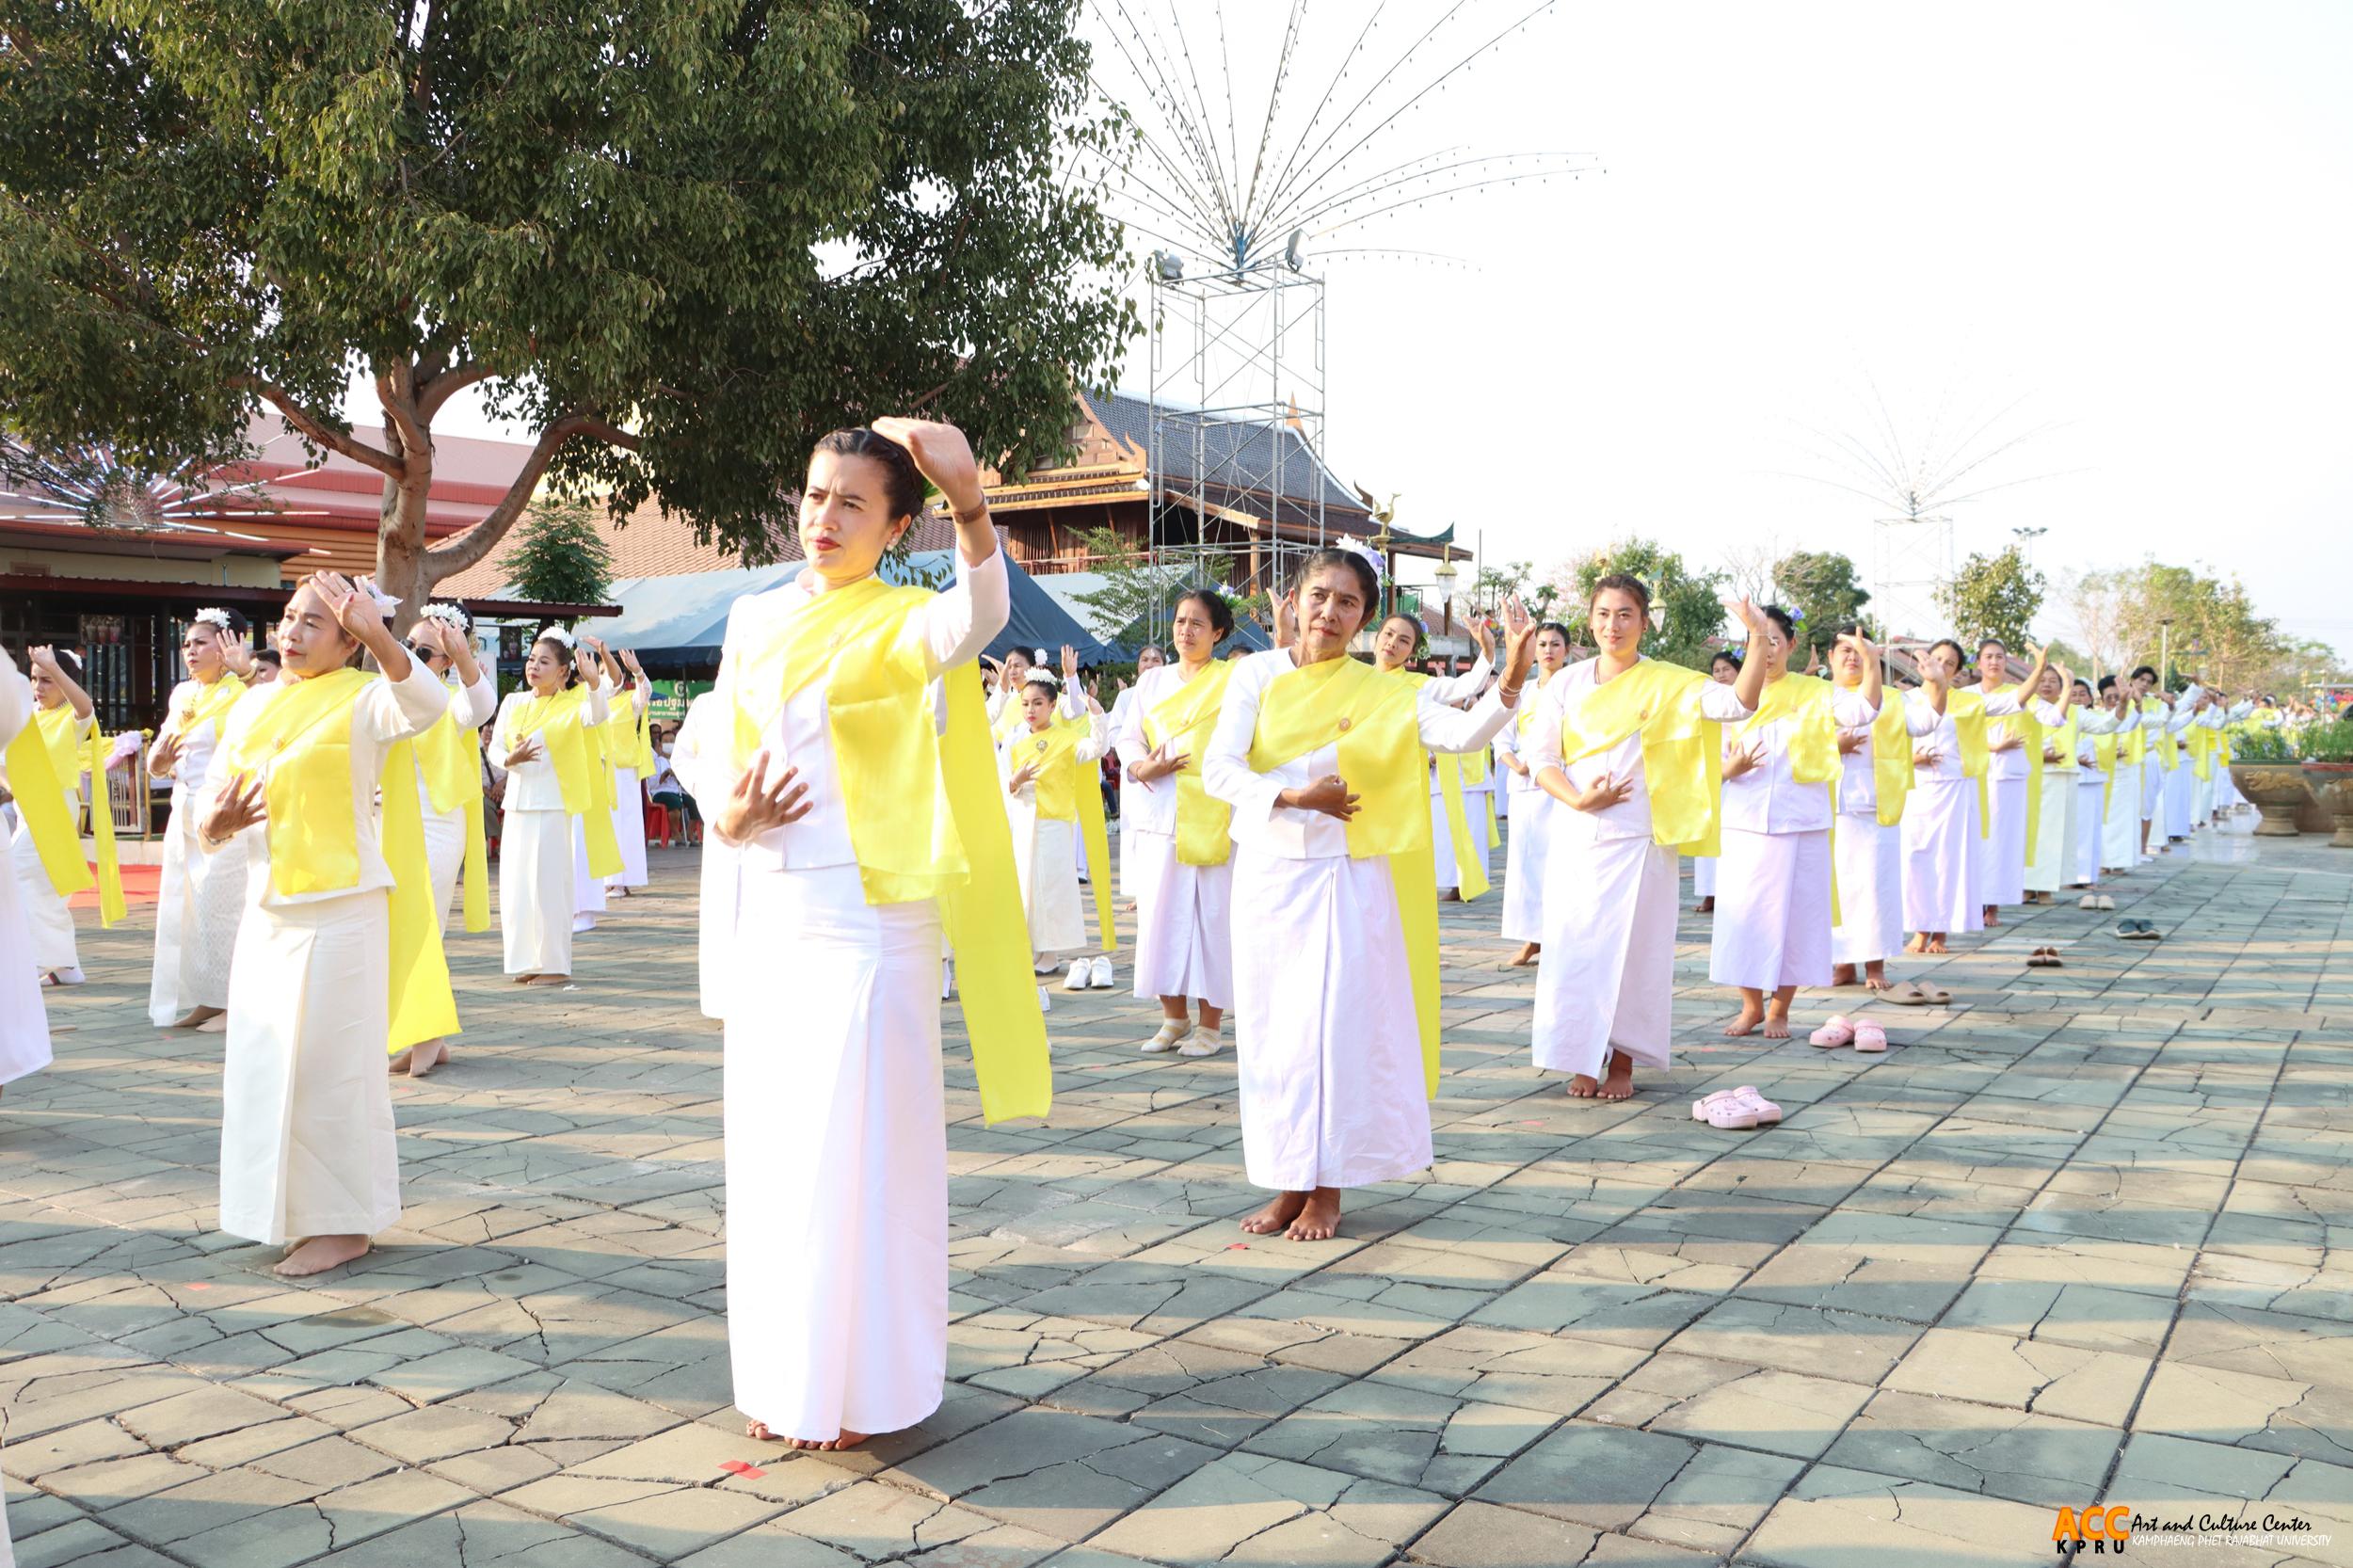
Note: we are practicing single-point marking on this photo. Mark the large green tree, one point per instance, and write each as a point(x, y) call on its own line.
point(1993, 596)
point(1822, 586)
point(2208, 624)
point(1686, 612)
point(676, 239)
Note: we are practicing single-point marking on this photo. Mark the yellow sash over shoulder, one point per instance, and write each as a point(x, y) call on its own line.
point(2163, 742)
point(1804, 700)
point(923, 810)
point(449, 759)
point(1449, 769)
point(1068, 791)
point(2103, 748)
point(1967, 711)
point(33, 779)
point(70, 758)
point(211, 703)
point(1183, 722)
point(300, 744)
point(1892, 767)
point(1373, 720)
point(1682, 748)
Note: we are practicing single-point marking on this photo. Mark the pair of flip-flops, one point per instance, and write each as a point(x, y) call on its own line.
point(2044, 958)
point(2137, 931)
point(1865, 1035)
point(2096, 900)
point(1914, 994)
point(1738, 1110)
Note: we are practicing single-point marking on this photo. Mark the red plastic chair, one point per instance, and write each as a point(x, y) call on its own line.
point(658, 825)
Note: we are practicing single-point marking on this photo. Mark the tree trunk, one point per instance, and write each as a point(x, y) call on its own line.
point(403, 567)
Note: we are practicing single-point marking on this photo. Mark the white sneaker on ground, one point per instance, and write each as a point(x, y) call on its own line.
point(1202, 1042)
point(947, 978)
point(1172, 1031)
point(64, 977)
point(1099, 974)
point(1045, 1001)
point(1076, 979)
point(583, 922)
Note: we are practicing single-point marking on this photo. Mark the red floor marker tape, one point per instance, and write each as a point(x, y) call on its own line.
point(737, 1467)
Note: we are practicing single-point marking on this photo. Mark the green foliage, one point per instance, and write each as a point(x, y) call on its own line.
point(681, 238)
point(1993, 597)
point(1137, 589)
point(1822, 587)
point(2257, 742)
point(1493, 585)
point(1686, 612)
point(2331, 742)
point(2210, 626)
point(559, 556)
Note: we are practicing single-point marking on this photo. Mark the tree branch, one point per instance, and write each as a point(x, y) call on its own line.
point(445, 385)
point(319, 433)
point(396, 388)
point(483, 536)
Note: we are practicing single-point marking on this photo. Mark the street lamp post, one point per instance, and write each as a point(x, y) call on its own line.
point(2026, 538)
point(2165, 653)
point(1445, 577)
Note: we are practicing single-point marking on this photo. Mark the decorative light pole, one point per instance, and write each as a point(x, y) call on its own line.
point(2026, 538)
point(1445, 577)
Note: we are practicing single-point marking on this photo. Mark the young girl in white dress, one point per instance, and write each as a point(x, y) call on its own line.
point(1335, 906)
point(1048, 768)
point(1875, 764)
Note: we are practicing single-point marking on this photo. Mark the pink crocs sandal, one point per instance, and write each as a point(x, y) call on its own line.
point(1744, 1112)
point(1838, 1031)
point(1869, 1036)
point(1701, 1107)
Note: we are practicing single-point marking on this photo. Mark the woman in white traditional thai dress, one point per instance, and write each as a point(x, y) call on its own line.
point(330, 939)
point(1148, 658)
point(1723, 669)
point(2054, 833)
point(2181, 782)
point(1335, 933)
point(1053, 796)
point(1532, 811)
point(449, 789)
point(542, 749)
point(1184, 939)
point(1628, 746)
point(1866, 851)
point(1999, 851)
point(630, 735)
point(2153, 759)
point(2094, 726)
point(1941, 821)
point(1772, 931)
point(199, 898)
point(1453, 834)
point(2120, 836)
point(595, 856)
point(66, 722)
point(821, 764)
point(23, 1021)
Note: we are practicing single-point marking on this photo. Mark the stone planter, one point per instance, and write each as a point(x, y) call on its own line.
point(2313, 817)
point(2278, 791)
point(2332, 784)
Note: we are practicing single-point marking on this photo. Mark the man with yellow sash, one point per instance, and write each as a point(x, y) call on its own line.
point(1999, 849)
point(1322, 760)
point(449, 787)
point(1775, 903)
point(23, 1021)
point(544, 746)
point(200, 897)
point(851, 829)
point(1866, 849)
point(338, 956)
point(47, 848)
point(1054, 799)
point(1945, 815)
point(1178, 837)
point(1529, 811)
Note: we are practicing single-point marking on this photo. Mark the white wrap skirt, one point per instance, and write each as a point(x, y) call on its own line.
point(1327, 1048)
point(1524, 850)
point(2000, 852)
point(1773, 914)
point(836, 1160)
point(49, 922)
point(535, 891)
point(629, 827)
point(1940, 835)
point(201, 900)
point(1869, 862)
point(1606, 979)
point(2047, 872)
point(306, 1120)
point(1184, 931)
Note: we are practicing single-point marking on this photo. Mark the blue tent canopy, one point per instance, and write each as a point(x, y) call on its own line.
point(679, 622)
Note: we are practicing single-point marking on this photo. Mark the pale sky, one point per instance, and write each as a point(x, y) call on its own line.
point(2138, 217)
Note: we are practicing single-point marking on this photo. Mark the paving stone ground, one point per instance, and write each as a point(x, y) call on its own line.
point(2078, 1238)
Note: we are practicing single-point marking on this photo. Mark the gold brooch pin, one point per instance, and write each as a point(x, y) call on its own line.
point(1344, 723)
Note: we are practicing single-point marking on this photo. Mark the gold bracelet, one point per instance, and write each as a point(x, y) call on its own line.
point(977, 515)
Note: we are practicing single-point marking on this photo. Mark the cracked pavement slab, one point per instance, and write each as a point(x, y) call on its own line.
point(2088, 1230)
